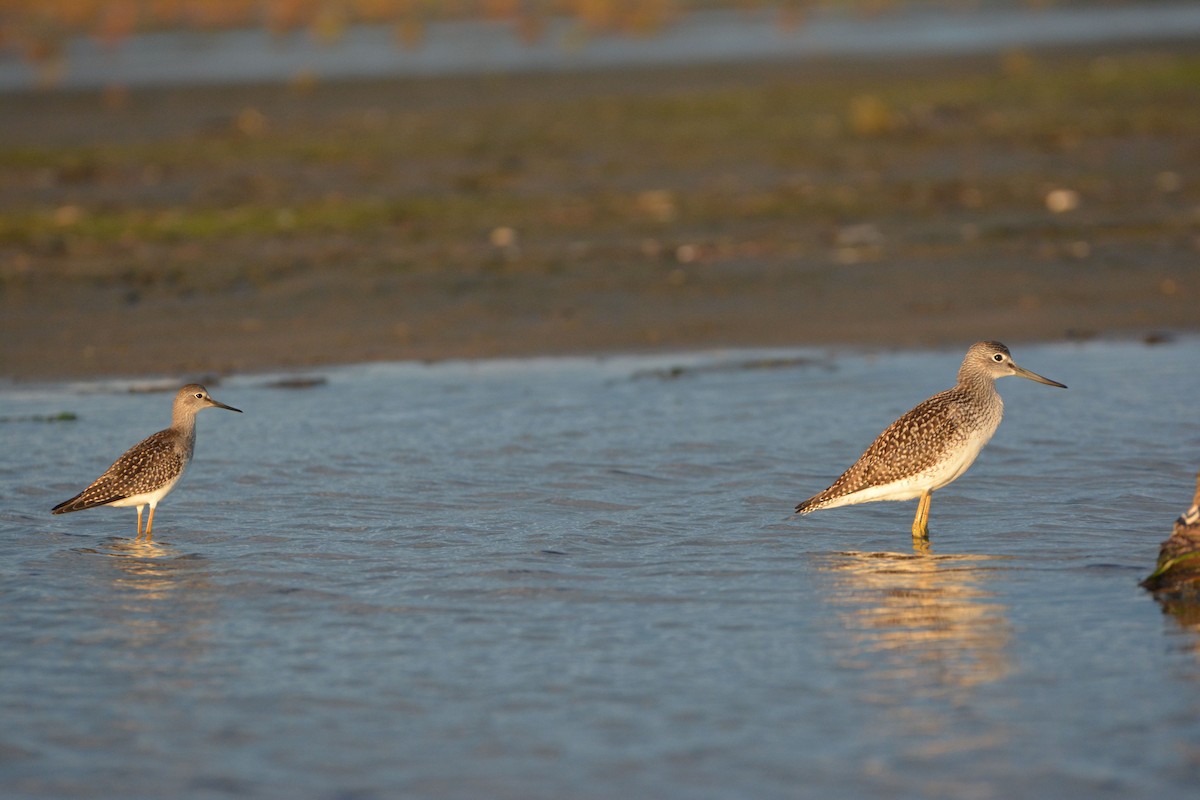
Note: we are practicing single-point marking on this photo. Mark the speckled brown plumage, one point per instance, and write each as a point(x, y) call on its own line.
point(915, 444)
point(151, 468)
point(149, 465)
point(934, 443)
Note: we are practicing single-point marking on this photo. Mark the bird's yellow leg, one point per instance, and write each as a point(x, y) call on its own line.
point(150, 524)
point(139, 529)
point(920, 526)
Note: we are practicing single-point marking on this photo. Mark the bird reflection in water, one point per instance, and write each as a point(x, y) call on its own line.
point(163, 595)
point(921, 625)
point(146, 567)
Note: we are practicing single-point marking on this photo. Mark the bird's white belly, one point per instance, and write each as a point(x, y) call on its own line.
point(910, 487)
point(147, 498)
point(954, 465)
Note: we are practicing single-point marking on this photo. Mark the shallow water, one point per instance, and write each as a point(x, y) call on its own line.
point(578, 579)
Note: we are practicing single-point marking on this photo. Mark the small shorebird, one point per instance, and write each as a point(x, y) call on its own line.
point(151, 468)
point(933, 444)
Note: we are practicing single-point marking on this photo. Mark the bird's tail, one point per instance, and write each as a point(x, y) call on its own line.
point(811, 504)
point(79, 503)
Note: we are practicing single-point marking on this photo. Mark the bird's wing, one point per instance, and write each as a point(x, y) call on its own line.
point(143, 468)
point(909, 446)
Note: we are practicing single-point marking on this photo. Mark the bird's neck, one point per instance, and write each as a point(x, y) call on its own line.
point(982, 387)
point(184, 423)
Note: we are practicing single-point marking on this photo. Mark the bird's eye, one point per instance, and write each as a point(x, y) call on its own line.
point(199, 395)
point(998, 357)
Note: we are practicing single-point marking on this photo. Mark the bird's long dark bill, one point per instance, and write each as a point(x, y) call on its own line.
point(1033, 376)
point(231, 408)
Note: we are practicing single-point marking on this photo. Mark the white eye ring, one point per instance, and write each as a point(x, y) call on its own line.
point(998, 357)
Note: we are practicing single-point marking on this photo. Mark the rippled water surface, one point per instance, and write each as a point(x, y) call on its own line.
point(578, 579)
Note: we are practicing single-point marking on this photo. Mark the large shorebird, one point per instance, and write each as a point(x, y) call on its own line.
point(151, 468)
point(933, 444)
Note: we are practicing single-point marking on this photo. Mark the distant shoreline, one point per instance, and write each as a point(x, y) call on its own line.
point(698, 38)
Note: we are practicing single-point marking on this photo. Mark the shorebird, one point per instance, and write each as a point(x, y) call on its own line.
point(933, 444)
point(151, 468)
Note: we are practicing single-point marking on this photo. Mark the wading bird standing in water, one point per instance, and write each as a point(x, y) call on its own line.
point(933, 444)
point(151, 468)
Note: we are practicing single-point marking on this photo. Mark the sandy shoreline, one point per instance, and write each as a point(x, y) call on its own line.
point(323, 320)
point(755, 247)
